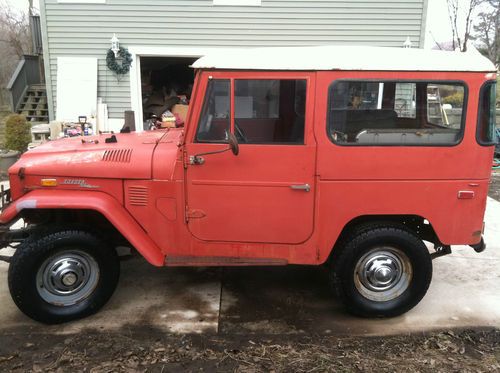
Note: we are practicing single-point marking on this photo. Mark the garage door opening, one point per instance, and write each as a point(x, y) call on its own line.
point(166, 85)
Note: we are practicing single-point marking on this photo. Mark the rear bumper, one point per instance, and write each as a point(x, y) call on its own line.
point(479, 247)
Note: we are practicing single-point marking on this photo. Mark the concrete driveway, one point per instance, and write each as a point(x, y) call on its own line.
point(465, 292)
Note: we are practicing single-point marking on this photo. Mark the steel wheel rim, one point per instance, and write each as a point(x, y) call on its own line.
point(383, 274)
point(67, 278)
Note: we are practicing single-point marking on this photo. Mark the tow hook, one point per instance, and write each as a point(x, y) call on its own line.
point(479, 247)
point(441, 250)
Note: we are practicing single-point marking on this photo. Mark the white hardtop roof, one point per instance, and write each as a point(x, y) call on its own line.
point(344, 58)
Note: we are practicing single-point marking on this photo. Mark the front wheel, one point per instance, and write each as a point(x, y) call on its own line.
point(382, 272)
point(63, 276)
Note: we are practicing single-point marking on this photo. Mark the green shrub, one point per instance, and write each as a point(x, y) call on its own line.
point(455, 100)
point(17, 133)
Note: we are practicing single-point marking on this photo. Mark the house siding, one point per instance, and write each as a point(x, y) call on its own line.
point(78, 29)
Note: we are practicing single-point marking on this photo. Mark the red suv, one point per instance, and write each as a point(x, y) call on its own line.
point(345, 157)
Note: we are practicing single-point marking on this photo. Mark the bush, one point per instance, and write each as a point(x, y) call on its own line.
point(455, 100)
point(17, 133)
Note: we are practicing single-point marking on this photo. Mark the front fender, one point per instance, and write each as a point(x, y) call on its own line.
point(89, 200)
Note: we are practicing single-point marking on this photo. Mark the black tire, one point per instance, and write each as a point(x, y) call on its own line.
point(361, 287)
point(77, 250)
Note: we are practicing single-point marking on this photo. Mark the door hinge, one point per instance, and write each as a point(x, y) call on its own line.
point(185, 158)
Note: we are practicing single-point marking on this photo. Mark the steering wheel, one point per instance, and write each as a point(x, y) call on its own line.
point(240, 135)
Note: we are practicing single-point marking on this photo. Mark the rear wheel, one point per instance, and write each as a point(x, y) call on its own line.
point(62, 276)
point(381, 271)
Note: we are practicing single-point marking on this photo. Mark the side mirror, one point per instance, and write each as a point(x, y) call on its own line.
point(233, 146)
point(233, 143)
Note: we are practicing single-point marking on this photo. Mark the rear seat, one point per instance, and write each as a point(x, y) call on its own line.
point(352, 121)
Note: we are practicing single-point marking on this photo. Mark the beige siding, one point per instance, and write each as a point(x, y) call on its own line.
point(85, 29)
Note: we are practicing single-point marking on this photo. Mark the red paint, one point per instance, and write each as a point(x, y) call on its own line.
point(235, 210)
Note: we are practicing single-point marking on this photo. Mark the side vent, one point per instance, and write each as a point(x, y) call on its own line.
point(138, 195)
point(117, 155)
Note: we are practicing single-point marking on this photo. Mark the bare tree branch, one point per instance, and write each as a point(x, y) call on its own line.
point(453, 15)
point(487, 30)
point(14, 28)
point(461, 14)
point(14, 42)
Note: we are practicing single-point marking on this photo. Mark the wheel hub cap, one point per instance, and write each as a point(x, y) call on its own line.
point(66, 274)
point(383, 274)
point(67, 278)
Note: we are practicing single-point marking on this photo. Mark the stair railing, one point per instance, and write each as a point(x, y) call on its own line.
point(27, 73)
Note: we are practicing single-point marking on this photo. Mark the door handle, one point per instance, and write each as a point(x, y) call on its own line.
point(304, 187)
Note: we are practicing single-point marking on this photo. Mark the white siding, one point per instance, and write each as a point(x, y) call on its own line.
point(85, 29)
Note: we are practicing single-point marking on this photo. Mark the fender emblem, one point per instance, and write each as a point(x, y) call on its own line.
point(78, 182)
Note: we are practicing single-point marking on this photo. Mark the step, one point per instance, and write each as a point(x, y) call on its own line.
point(32, 93)
point(38, 86)
point(42, 119)
point(34, 104)
point(30, 115)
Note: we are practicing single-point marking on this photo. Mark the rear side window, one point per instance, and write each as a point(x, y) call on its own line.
point(486, 131)
point(396, 113)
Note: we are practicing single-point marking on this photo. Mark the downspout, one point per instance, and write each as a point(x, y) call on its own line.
point(423, 30)
point(46, 61)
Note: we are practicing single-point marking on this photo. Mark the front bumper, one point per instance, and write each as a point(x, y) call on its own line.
point(5, 240)
point(5, 197)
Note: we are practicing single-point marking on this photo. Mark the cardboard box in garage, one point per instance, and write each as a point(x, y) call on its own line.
point(180, 110)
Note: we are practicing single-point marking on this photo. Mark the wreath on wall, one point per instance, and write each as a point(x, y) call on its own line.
point(113, 65)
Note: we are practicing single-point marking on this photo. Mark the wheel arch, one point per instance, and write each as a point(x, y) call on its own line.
point(73, 204)
point(419, 225)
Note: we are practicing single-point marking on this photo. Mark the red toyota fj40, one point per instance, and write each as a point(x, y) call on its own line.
point(339, 156)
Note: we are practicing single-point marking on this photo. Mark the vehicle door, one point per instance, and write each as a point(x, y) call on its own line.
point(266, 192)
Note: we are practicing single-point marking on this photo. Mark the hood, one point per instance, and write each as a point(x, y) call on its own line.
point(127, 158)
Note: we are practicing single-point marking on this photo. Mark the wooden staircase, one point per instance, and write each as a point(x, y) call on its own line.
point(34, 104)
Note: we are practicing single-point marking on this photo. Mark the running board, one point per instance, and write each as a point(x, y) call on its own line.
point(220, 261)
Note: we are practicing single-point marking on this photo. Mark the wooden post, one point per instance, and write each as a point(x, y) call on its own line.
point(129, 120)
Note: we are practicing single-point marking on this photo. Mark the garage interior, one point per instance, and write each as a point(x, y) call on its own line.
point(166, 82)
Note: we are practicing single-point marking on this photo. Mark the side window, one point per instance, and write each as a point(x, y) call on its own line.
point(396, 113)
point(445, 105)
point(486, 131)
point(215, 114)
point(270, 111)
